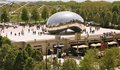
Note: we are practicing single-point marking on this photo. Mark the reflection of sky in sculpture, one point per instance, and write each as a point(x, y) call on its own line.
point(62, 17)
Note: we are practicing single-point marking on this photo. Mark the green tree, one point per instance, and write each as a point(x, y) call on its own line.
point(78, 11)
point(10, 58)
point(5, 47)
point(35, 15)
point(96, 18)
point(114, 18)
point(37, 56)
point(25, 15)
point(1, 41)
point(108, 18)
point(116, 56)
point(3, 53)
point(17, 17)
point(62, 8)
point(20, 60)
point(102, 20)
point(90, 16)
point(4, 16)
point(115, 8)
point(90, 61)
point(44, 13)
point(69, 64)
point(118, 21)
point(83, 14)
point(53, 11)
point(42, 65)
point(30, 64)
point(4, 40)
point(7, 56)
point(29, 50)
point(108, 61)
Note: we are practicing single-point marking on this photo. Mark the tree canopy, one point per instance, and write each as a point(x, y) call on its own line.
point(5, 16)
point(25, 15)
point(35, 15)
point(44, 13)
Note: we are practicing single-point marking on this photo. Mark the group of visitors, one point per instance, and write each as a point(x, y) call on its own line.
point(91, 30)
point(19, 33)
point(22, 30)
point(109, 34)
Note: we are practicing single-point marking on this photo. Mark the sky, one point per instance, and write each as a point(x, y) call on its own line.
point(60, 0)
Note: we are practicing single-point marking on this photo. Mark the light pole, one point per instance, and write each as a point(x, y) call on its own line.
point(47, 44)
point(58, 37)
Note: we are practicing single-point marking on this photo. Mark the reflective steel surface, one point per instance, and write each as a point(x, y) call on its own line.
point(63, 17)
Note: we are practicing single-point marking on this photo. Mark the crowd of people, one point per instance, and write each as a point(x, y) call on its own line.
point(109, 34)
point(91, 30)
point(94, 30)
point(22, 30)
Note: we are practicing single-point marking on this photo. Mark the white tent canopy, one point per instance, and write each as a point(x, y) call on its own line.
point(59, 46)
point(80, 46)
point(94, 45)
point(112, 43)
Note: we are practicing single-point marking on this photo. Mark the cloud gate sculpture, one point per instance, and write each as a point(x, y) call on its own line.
point(64, 20)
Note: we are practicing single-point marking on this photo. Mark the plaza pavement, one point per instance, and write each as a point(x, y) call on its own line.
point(34, 33)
